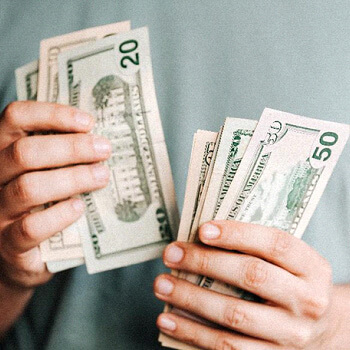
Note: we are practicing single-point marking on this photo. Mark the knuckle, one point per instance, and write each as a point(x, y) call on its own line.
point(75, 151)
point(193, 337)
point(58, 110)
point(188, 301)
point(242, 236)
point(301, 337)
point(28, 228)
point(11, 113)
point(27, 271)
point(21, 154)
point(62, 216)
point(234, 316)
point(78, 178)
point(327, 269)
point(254, 273)
point(315, 306)
point(204, 261)
point(280, 243)
point(225, 343)
point(24, 189)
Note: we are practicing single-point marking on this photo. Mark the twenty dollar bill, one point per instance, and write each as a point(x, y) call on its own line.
point(135, 216)
point(66, 246)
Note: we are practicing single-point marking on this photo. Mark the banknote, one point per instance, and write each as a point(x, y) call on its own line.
point(199, 203)
point(135, 216)
point(283, 174)
point(236, 135)
point(191, 235)
point(66, 246)
point(26, 84)
point(61, 265)
point(201, 157)
point(231, 144)
point(27, 81)
point(50, 49)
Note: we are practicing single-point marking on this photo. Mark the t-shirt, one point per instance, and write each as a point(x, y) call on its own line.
point(211, 59)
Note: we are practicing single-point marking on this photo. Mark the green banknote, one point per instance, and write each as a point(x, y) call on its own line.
point(27, 81)
point(135, 216)
point(283, 174)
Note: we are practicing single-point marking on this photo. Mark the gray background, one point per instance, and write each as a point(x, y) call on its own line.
point(212, 59)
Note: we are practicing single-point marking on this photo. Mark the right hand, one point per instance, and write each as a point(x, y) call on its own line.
point(40, 169)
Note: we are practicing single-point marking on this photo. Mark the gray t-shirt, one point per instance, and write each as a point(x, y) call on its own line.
point(211, 59)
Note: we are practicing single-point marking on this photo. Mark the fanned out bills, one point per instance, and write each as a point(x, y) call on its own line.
point(272, 172)
point(276, 180)
point(136, 215)
point(202, 154)
point(203, 150)
point(66, 246)
point(51, 48)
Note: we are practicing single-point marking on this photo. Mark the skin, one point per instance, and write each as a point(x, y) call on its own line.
point(302, 308)
point(36, 170)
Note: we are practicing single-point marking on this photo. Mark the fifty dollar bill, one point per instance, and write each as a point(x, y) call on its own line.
point(282, 175)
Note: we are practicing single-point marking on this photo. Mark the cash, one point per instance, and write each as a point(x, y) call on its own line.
point(67, 245)
point(202, 154)
point(27, 81)
point(276, 179)
point(136, 215)
point(51, 48)
point(203, 149)
point(271, 172)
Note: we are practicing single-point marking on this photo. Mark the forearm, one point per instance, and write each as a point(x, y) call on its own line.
point(340, 318)
point(12, 303)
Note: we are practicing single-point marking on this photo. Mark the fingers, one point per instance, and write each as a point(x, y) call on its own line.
point(258, 320)
point(25, 270)
point(41, 152)
point(205, 337)
point(276, 246)
point(20, 117)
point(30, 231)
point(36, 188)
point(246, 272)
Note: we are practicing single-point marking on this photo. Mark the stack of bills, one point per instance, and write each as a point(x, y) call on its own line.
point(271, 172)
point(107, 72)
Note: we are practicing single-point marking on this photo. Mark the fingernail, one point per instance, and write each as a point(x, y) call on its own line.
point(78, 205)
point(101, 145)
point(164, 286)
point(210, 231)
point(83, 118)
point(166, 323)
point(174, 254)
point(100, 172)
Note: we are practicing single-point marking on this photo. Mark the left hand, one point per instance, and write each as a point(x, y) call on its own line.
point(293, 279)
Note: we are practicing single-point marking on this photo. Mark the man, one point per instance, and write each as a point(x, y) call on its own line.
point(233, 59)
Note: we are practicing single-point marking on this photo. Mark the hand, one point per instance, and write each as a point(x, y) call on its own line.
point(40, 169)
point(292, 278)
